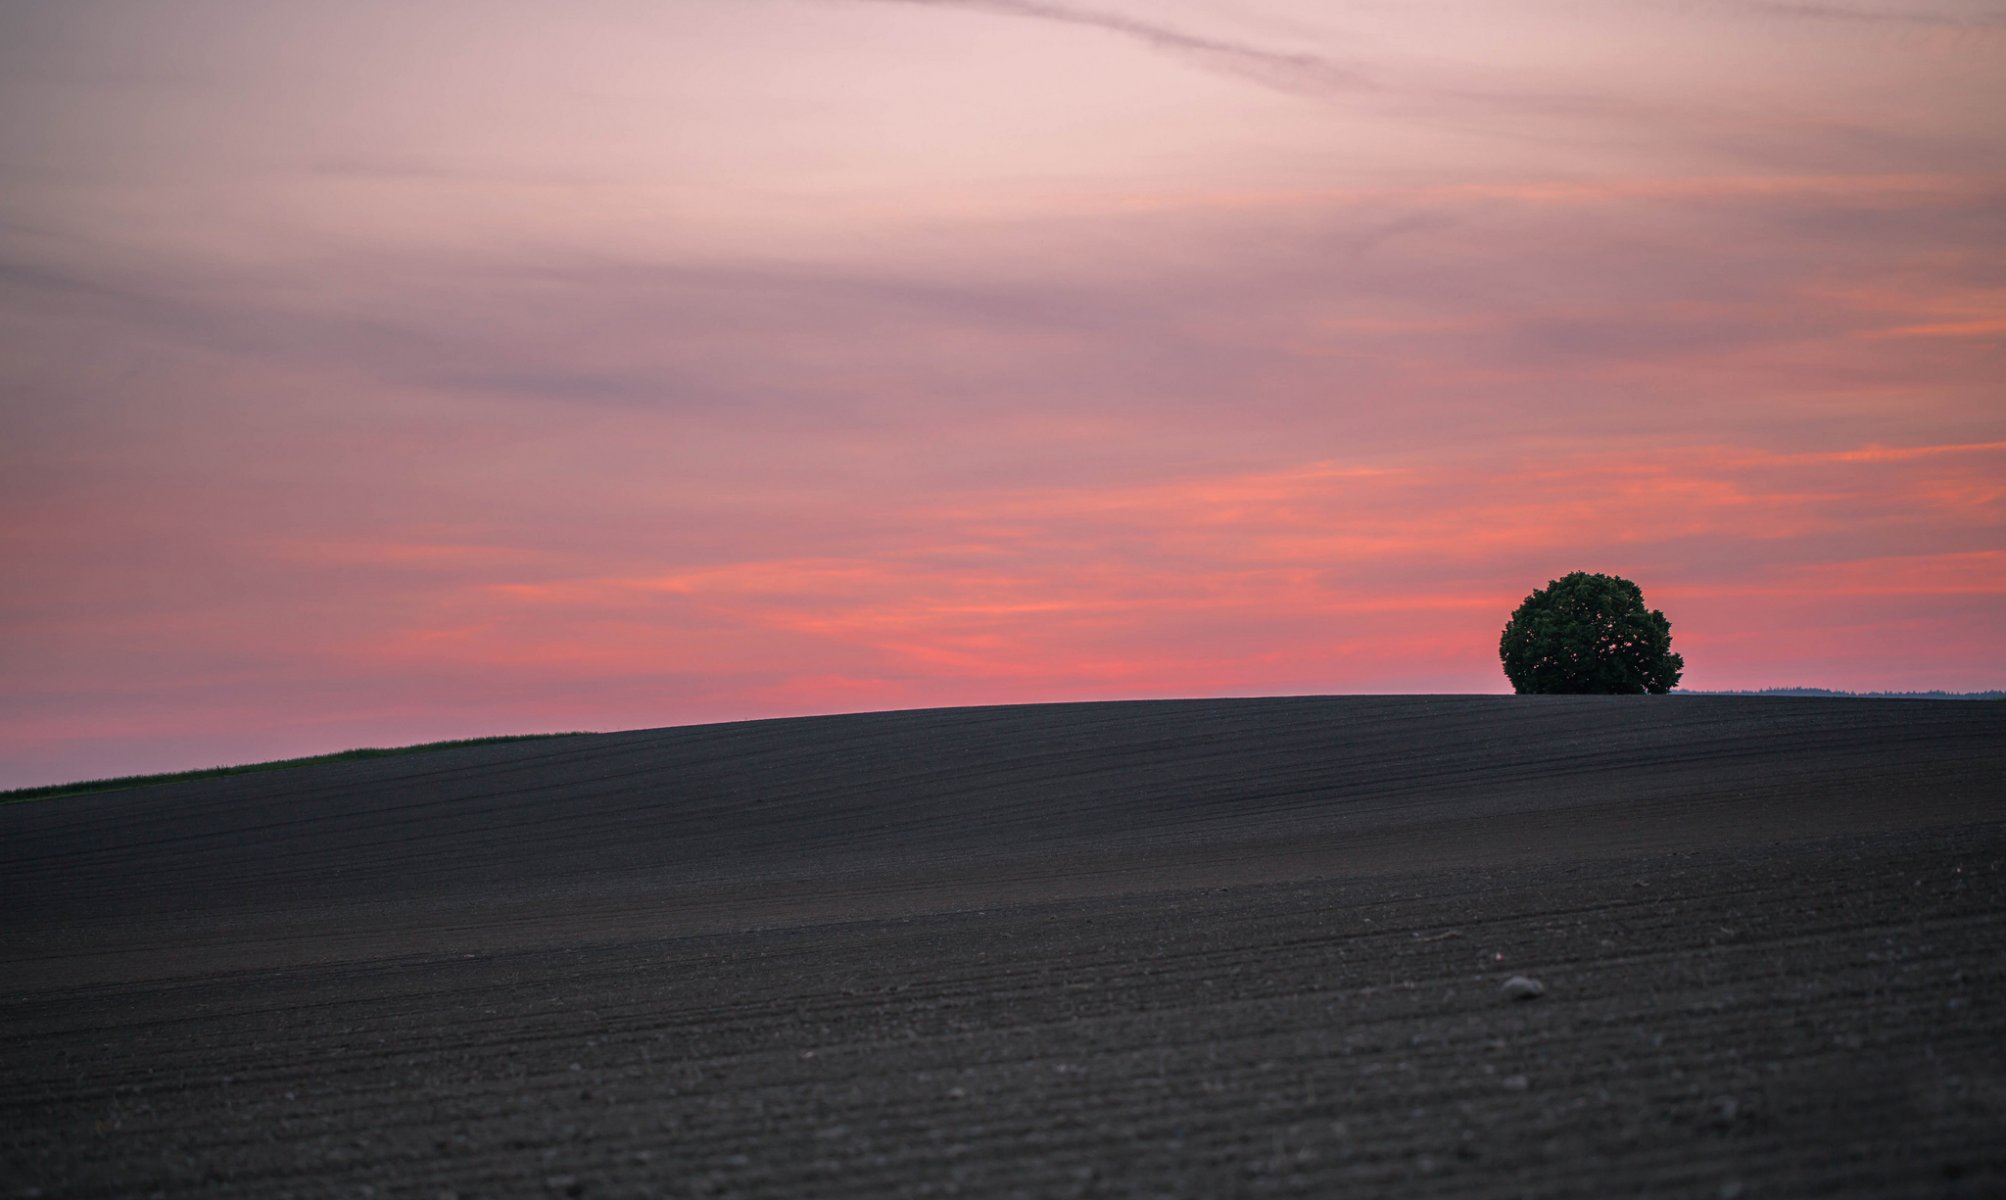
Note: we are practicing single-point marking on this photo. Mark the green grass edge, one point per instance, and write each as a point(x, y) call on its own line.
point(51, 791)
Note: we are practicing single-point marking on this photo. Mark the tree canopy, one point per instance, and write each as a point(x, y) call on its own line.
point(1589, 634)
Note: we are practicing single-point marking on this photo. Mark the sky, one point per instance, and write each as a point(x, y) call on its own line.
point(374, 373)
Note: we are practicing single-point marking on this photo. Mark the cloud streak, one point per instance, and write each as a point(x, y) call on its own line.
point(1976, 18)
point(1315, 74)
point(1288, 71)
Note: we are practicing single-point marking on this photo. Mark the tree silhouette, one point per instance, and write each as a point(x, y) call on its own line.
point(1589, 634)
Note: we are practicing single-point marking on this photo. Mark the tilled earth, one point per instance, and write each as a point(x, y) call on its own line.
point(1777, 1017)
point(1822, 1019)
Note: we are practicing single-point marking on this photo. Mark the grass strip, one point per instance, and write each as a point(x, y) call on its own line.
point(53, 790)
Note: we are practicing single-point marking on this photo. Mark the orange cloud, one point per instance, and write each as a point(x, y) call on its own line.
point(1229, 578)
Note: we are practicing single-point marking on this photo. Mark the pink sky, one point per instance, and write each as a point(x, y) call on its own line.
point(375, 373)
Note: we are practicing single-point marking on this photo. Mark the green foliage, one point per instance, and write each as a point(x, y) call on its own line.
point(53, 790)
point(1589, 634)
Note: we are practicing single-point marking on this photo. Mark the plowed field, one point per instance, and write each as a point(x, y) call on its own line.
point(1187, 948)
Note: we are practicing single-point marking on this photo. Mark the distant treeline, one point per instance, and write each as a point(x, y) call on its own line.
point(1811, 691)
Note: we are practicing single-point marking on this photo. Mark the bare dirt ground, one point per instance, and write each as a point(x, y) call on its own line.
point(1190, 949)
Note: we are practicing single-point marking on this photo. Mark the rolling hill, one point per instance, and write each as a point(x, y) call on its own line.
point(1188, 947)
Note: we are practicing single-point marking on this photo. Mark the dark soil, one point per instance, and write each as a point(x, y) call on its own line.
point(1195, 949)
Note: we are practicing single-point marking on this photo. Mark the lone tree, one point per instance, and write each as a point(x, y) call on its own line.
point(1589, 634)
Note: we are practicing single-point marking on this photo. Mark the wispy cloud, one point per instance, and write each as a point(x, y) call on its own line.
point(1975, 17)
point(1290, 71)
point(1416, 88)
